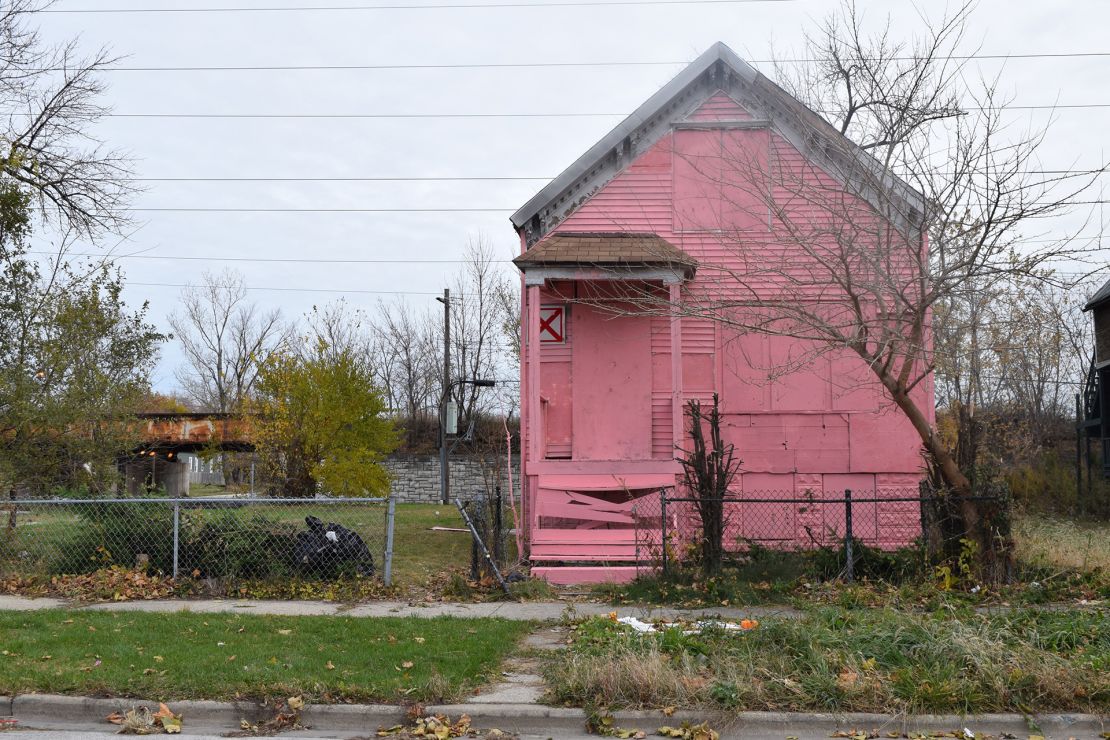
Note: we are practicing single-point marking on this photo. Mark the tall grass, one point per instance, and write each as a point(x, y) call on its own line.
point(1055, 542)
point(833, 660)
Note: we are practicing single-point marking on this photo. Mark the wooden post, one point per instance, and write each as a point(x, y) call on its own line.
point(445, 398)
point(676, 367)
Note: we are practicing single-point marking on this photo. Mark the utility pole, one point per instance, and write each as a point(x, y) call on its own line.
point(445, 397)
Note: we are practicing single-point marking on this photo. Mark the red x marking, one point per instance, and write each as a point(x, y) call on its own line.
point(548, 325)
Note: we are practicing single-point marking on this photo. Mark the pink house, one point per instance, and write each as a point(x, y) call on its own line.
point(653, 209)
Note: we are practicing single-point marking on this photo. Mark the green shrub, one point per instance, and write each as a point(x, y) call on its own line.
point(115, 534)
point(227, 544)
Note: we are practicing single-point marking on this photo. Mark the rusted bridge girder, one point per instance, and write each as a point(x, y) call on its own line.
point(170, 432)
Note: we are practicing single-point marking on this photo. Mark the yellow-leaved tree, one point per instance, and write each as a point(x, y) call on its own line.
point(321, 424)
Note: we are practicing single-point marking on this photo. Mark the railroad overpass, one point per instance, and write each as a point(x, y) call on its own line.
point(163, 437)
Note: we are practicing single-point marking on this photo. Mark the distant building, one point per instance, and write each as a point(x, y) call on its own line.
point(1096, 393)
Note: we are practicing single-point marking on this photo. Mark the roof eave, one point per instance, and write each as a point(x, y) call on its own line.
point(718, 52)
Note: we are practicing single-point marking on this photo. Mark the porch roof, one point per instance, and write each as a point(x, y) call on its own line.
point(606, 249)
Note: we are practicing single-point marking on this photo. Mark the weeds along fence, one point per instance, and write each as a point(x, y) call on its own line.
point(209, 538)
point(837, 528)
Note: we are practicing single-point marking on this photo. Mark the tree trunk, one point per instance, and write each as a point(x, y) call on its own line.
point(982, 522)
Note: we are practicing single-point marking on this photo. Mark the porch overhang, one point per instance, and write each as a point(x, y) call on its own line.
point(603, 256)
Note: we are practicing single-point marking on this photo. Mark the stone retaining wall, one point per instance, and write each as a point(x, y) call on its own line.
point(416, 477)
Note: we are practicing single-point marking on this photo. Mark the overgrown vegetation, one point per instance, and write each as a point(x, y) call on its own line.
point(837, 660)
point(213, 656)
point(1057, 560)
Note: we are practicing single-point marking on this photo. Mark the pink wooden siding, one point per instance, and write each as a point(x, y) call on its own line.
point(818, 426)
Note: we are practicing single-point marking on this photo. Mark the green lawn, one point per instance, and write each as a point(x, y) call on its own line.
point(420, 556)
point(178, 656)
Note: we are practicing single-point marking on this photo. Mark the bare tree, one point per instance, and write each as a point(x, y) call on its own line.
point(51, 99)
point(852, 246)
point(340, 329)
point(226, 339)
point(409, 361)
point(479, 317)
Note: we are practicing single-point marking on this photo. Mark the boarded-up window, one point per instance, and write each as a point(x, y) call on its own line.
point(721, 178)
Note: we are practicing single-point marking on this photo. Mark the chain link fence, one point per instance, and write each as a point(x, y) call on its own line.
point(842, 523)
point(210, 538)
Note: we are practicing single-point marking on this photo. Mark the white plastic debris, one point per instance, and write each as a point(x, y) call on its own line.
point(637, 625)
point(646, 627)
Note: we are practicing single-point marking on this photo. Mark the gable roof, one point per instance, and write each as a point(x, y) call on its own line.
point(1102, 296)
point(605, 248)
point(718, 69)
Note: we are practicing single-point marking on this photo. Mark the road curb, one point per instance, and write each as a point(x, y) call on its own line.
point(48, 711)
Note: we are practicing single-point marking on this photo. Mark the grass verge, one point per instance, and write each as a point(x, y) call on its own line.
point(210, 656)
point(837, 660)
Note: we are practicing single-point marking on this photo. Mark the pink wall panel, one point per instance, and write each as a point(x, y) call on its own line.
point(612, 395)
point(884, 442)
point(805, 388)
point(697, 189)
point(853, 385)
point(744, 383)
point(745, 181)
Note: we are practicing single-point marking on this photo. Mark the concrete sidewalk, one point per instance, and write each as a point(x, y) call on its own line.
point(537, 611)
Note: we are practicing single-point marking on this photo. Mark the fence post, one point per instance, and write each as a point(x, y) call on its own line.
point(390, 512)
point(849, 558)
point(498, 541)
point(176, 534)
point(663, 510)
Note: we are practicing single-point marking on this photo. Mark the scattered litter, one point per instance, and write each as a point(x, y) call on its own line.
point(642, 627)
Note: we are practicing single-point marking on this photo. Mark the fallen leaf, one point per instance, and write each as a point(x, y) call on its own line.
point(330, 666)
point(115, 718)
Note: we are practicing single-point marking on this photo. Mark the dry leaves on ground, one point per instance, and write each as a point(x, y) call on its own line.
point(287, 716)
point(141, 721)
point(687, 731)
point(440, 727)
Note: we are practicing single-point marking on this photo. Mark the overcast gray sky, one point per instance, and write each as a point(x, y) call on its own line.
point(487, 147)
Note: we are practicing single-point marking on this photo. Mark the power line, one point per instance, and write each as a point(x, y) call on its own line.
point(320, 210)
point(356, 116)
point(295, 290)
point(432, 178)
point(483, 209)
point(299, 260)
point(510, 115)
point(410, 6)
point(461, 178)
point(541, 65)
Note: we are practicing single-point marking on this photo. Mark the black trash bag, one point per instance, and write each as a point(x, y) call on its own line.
point(328, 549)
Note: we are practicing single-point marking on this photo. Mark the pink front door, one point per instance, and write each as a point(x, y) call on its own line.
point(612, 378)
